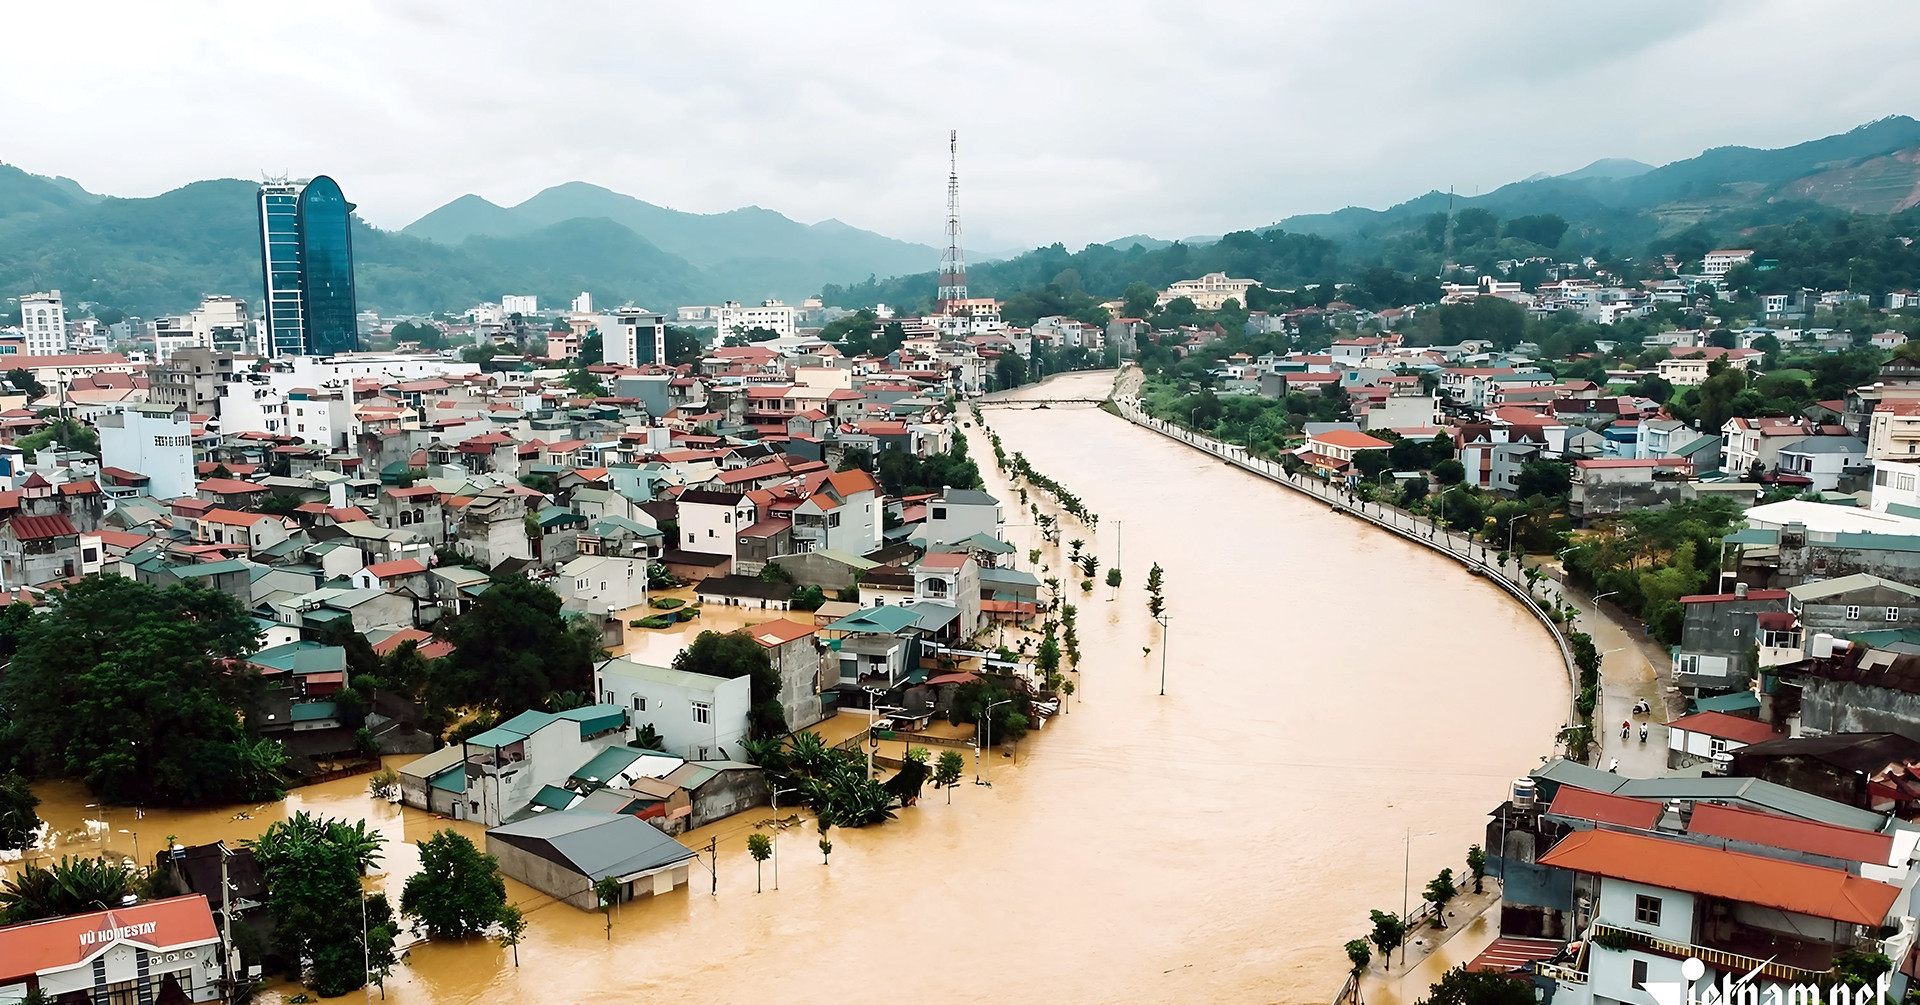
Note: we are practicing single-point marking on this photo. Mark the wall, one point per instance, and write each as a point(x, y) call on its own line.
point(798, 663)
point(669, 700)
point(727, 793)
point(1834, 707)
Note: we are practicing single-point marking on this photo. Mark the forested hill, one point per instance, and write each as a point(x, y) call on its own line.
point(1850, 195)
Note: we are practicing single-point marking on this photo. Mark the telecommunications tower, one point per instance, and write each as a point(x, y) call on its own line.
point(953, 264)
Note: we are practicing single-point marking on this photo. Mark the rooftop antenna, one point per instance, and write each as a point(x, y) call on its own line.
point(953, 264)
point(1446, 255)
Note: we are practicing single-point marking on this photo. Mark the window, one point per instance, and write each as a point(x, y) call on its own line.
point(1893, 614)
point(639, 702)
point(939, 512)
point(1640, 971)
point(1689, 664)
point(1853, 614)
point(1646, 911)
point(702, 713)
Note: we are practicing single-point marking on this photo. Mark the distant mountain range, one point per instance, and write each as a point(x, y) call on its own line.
point(1872, 169)
point(159, 255)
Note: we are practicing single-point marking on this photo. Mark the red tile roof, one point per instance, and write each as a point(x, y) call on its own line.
point(774, 634)
point(1755, 827)
point(1350, 439)
point(1728, 875)
point(1721, 598)
point(1727, 727)
point(403, 567)
point(63, 943)
point(36, 528)
point(1605, 808)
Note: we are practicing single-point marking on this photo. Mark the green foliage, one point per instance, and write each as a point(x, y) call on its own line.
point(1359, 954)
point(1651, 558)
point(737, 654)
point(666, 603)
point(1388, 931)
point(70, 886)
point(513, 649)
point(761, 848)
point(1460, 986)
point(312, 868)
point(1449, 472)
point(808, 598)
point(1477, 865)
point(1440, 890)
point(24, 381)
point(1156, 602)
point(906, 784)
point(902, 474)
point(513, 931)
point(18, 821)
point(458, 891)
point(1543, 478)
point(947, 771)
point(134, 689)
point(68, 434)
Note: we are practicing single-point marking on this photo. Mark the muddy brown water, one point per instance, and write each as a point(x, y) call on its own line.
point(1329, 690)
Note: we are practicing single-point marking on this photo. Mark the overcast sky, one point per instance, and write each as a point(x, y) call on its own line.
point(1078, 121)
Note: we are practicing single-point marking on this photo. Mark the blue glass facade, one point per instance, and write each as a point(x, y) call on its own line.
point(307, 258)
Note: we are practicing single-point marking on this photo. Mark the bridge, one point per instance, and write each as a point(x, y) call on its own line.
point(1038, 402)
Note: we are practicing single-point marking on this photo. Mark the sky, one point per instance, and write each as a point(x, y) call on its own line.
point(1078, 121)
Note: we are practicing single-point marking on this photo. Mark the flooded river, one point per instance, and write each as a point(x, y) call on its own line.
point(1329, 691)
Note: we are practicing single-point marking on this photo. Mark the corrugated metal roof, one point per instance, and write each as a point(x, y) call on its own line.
point(1755, 793)
point(1604, 807)
point(597, 844)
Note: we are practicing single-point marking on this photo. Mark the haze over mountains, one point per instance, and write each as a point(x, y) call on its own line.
point(158, 255)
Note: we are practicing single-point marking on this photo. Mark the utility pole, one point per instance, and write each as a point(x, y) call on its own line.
point(713, 852)
point(1164, 618)
point(226, 924)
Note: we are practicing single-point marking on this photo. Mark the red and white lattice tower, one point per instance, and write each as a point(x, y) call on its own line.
point(953, 264)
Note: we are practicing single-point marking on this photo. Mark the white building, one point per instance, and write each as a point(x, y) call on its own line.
point(523, 305)
point(1822, 459)
point(602, 583)
point(698, 717)
point(506, 766)
point(153, 440)
point(1209, 291)
point(43, 316)
point(135, 952)
point(1720, 260)
point(771, 315)
point(957, 514)
point(583, 304)
point(631, 336)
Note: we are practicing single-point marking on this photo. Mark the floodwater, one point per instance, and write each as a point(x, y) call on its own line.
point(1330, 691)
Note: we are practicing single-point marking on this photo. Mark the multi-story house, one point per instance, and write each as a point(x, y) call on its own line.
point(503, 769)
point(1853, 604)
point(1718, 632)
point(841, 512)
point(697, 716)
point(958, 514)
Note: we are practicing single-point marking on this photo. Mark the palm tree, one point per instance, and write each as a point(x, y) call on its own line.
point(71, 886)
point(1073, 550)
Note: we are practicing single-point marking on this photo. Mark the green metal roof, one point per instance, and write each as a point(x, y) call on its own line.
point(1753, 535)
point(453, 779)
point(596, 718)
point(553, 797)
point(313, 711)
point(883, 620)
point(208, 568)
point(1739, 701)
point(607, 764)
point(590, 719)
point(301, 657)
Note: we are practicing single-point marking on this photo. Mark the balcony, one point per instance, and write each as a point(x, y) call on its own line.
point(1720, 959)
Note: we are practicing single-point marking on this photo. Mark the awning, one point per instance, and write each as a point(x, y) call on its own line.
point(1509, 953)
point(954, 678)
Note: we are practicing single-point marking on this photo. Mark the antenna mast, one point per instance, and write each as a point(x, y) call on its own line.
point(953, 264)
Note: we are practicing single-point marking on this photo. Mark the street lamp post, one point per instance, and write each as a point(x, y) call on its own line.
point(980, 747)
point(1163, 617)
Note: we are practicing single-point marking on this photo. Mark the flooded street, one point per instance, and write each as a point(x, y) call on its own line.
point(1330, 691)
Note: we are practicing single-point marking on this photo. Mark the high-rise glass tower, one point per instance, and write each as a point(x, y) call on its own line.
point(306, 245)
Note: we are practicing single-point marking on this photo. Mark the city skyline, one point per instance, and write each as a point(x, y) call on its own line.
point(1218, 132)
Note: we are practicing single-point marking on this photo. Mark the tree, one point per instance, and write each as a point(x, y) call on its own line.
point(1113, 578)
point(1439, 891)
point(1543, 478)
point(906, 784)
point(1388, 931)
point(312, 871)
point(1477, 864)
point(24, 381)
point(458, 891)
point(1449, 472)
point(731, 655)
point(947, 771)
point(513, 929)
point(761, 849)
point(1371, 463)
point(18, 822)
point(1359, 954)
point(1460, 986)
point(513, 649)
point(826, 844)
point(69, 434)
point(382, 932)
point(70, 886)
point(1156, 604)
point(606, 890)
point(133, 688)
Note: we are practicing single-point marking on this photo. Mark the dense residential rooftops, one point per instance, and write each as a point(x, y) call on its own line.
point(1729, 875)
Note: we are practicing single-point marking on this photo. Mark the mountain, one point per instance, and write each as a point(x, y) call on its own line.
point(1605, 167)
point(1872, 168)
point(750, 252)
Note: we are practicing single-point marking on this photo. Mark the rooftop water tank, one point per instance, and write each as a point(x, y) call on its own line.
point(1526, 792)
point(1822, 647)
